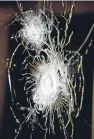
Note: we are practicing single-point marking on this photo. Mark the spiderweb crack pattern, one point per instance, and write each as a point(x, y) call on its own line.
point(53, 76)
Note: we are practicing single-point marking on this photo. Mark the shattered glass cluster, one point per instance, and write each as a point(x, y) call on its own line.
point(53, 75)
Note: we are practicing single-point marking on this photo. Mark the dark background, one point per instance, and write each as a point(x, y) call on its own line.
point(81, 25)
